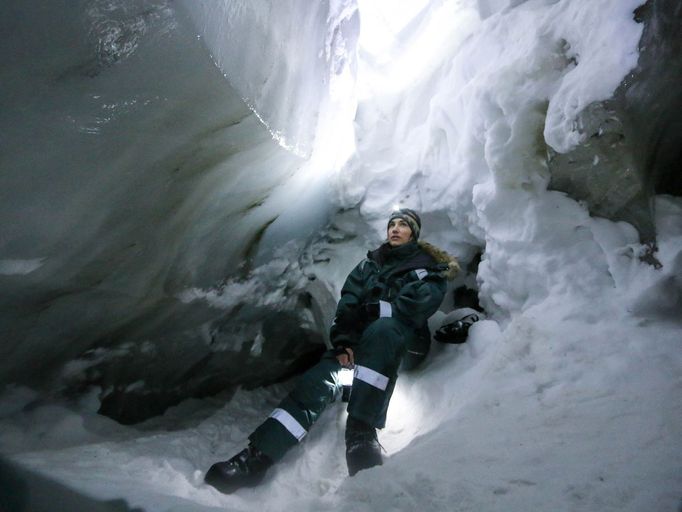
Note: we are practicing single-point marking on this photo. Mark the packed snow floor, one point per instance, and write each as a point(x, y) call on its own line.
point(573, 403)
point(574, 413)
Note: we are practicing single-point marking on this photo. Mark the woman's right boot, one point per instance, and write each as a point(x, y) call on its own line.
point(246, 469)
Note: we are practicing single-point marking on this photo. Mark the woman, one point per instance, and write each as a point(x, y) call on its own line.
point(380, 322)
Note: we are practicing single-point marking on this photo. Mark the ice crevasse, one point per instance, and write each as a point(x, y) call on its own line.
point(566, 397)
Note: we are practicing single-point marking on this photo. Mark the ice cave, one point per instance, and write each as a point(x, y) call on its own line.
point(185, 185)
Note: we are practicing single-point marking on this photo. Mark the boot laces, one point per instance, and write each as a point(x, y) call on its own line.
point(357, 438)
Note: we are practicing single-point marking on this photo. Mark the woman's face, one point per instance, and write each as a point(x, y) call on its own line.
point(399, 232)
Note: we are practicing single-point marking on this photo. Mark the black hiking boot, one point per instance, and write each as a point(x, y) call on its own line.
point(246, 469)
point(363, 450)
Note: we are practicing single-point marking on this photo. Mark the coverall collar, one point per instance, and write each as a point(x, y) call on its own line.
point(386, 253)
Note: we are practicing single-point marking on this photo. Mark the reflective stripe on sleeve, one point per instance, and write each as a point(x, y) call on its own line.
point(385, 309)
point(421, 273)
point(371, 377)
point(289, 422)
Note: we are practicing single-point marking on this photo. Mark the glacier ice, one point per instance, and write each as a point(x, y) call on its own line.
point(185, 185)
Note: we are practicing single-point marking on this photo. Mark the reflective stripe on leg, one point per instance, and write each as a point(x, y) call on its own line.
point(371, 377)
point(289, 422)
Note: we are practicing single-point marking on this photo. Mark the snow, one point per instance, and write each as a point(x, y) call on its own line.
point(568, 406)
point(552, 413)
point(565, 398)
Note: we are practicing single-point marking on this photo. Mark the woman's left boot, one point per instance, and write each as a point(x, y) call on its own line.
point(363, 450)
point(246, 469)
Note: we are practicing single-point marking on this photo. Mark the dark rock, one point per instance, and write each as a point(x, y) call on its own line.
point(633, 142)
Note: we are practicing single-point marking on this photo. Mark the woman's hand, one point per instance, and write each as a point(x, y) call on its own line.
point(346, 358)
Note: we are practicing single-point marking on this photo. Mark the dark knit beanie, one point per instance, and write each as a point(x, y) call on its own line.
point(409, 216)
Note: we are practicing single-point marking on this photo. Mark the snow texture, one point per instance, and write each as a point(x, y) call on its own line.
point(566, 398)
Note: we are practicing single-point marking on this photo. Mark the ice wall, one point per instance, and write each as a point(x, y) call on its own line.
point(150, 229)
point(159, 159)
point(131, 173)
point(292, 62)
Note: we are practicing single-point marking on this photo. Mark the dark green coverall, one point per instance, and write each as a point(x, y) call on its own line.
point(385, 303)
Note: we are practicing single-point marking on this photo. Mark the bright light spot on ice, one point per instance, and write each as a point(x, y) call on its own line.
point(383, 20)
point(401, 41)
